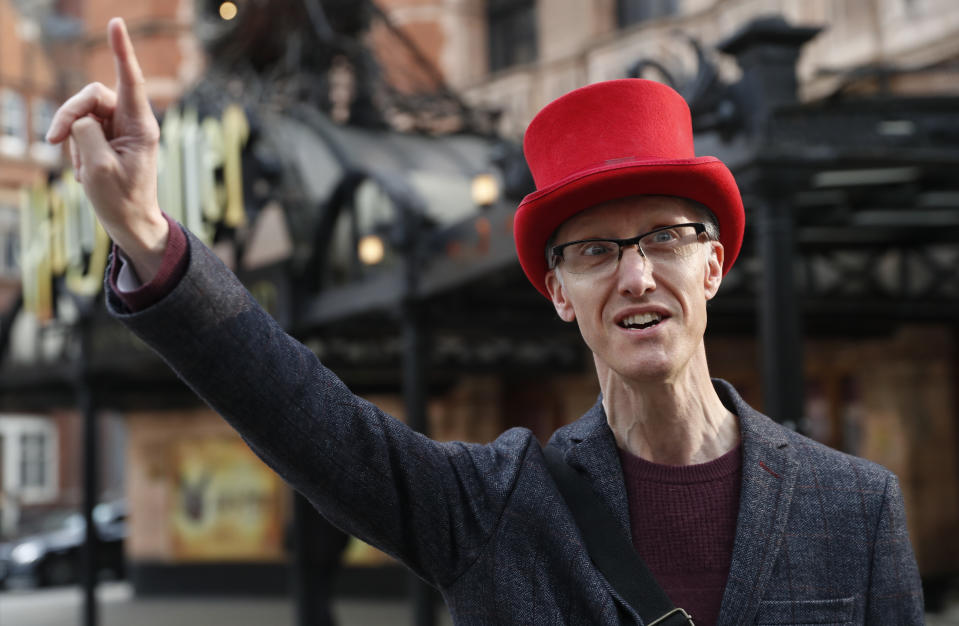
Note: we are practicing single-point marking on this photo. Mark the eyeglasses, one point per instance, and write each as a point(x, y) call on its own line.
point(601, 256)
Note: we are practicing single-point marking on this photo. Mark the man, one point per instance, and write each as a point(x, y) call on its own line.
point(741, 520)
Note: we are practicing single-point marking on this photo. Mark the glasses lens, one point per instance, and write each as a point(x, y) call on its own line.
point(668, 244)
point(591, 256)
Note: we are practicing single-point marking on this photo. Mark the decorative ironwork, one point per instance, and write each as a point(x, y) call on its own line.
point(889, 279)
point(451, 352)
point(906, 273)
point(315, 51)
point(710, 100)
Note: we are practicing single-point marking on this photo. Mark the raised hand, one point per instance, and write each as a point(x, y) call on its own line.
point(113, 145)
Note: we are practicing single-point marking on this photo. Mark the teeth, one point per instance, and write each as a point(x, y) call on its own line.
point(641, 319)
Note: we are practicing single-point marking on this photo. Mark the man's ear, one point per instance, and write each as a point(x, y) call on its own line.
point(557, 293)
point(714, 269)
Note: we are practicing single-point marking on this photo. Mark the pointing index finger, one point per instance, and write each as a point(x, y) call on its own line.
point(130, 90)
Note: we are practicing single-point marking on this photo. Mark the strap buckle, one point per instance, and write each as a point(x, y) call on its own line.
point(687, 618)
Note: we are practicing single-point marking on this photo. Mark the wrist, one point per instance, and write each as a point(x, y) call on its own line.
point(144, 243)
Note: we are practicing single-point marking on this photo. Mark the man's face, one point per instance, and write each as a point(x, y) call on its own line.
point(671, 294)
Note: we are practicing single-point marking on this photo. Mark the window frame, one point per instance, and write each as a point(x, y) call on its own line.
point(13, 431)
point(9, 241)
point(13, 123)
point(514, 24)
point(41, 114)
point(632, 12)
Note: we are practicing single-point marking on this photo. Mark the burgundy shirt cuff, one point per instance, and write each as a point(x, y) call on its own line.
point(175, 261)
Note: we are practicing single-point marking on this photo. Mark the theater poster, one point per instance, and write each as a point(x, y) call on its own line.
point(227, 505)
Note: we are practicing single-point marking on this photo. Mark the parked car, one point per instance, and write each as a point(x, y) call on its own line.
point(53, 557)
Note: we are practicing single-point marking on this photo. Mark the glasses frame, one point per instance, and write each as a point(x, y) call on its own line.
point(557, 251)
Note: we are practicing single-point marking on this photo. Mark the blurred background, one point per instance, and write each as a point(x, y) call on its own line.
point(358, 164)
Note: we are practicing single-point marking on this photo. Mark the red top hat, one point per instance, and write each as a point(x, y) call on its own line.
point(612, 140)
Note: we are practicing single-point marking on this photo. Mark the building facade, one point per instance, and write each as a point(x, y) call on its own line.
point(518, 55)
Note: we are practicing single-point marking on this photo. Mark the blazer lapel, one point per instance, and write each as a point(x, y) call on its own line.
point(593, 453)
point(769, 476)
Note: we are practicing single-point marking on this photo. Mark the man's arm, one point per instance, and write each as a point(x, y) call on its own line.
point(431, 505)
point(895, 590)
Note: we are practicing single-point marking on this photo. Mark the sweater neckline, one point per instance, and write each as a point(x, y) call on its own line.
point(637, 468)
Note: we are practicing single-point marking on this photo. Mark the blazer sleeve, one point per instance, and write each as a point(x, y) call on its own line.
point(895, 590)
point(431, 505)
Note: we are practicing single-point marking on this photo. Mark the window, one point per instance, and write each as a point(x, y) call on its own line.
point(634, 11)
point(9, 240)
point(512, 32)
point(33, 460)
point(31, 453)
point(41, 116)
point(13, 123)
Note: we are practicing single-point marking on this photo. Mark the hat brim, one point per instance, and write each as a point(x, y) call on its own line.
point(703, 179)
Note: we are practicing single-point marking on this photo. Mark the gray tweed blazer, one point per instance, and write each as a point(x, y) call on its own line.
point(821, 536)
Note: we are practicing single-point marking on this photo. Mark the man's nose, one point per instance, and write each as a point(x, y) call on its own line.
point(635, 272)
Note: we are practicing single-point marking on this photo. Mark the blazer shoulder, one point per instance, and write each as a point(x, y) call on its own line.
point(829, 467)
point(840, 472)
point(513, 439)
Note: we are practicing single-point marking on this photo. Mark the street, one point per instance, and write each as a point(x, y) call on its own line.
point(118, 607)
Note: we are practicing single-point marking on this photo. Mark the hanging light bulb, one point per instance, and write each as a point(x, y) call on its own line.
point(228, 10)
point(370, 249)
point(485, 190)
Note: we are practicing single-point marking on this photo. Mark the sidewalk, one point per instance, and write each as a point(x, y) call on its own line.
point(118, 607)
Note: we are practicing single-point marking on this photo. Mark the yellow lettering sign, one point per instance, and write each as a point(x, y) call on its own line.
point(60, 235)
point(236, 132)
point(36, 276)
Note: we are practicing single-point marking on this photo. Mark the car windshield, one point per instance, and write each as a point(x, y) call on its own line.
point(52, 521)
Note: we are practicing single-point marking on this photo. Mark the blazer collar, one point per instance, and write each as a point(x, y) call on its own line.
point(590, 448)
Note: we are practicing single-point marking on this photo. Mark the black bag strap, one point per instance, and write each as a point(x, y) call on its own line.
point(609, 550)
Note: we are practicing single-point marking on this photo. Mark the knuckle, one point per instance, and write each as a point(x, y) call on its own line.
point(98, 92)
point(93, 90)
point(97, 168)
point(152, 133)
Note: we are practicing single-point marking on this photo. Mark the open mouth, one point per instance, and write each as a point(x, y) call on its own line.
point(641, 320)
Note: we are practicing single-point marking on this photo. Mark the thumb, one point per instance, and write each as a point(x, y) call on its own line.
point(93, 154)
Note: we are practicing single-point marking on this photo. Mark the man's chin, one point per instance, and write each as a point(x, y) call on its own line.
point(645, 370)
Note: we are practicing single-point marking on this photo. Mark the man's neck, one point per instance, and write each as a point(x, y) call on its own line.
point(675, 421)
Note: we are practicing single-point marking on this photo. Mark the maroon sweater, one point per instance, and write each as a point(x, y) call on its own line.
point(683, 517)
point(683, 520)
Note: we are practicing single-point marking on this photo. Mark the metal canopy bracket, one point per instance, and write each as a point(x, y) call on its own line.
point(767, 50)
